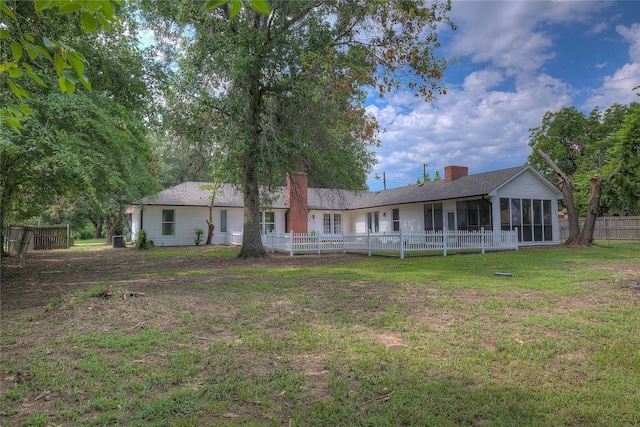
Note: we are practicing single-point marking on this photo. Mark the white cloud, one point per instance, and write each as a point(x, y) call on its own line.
point(483, 122)
point(618, 88)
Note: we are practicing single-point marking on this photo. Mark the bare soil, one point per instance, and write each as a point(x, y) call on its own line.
point(41, 276)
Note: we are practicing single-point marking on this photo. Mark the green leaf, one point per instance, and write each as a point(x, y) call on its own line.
point(214, 3)
point(70, 87)
point(75, 62)
point(29, 38)
point(88, 21)
point(4, 34)
point(107, 9)
point(93, 6)
point(85, 81)
point(42, 4)
point(48, 43)
point(71, 77)
point(33, 75)
point(103, 21)
point(14, 110)
point(31, 51)
point(62, 82)
point(24, 108)
point(5, 66)
point(43, 51)
point(5, 9)
point(17, 89)
point(14, 124)
point(235, 7)
point(59, 64)
point(261, 6)
point(16, 49)
point(15, 73)
point(70, 7)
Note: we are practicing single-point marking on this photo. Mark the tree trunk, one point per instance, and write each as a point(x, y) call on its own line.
point(586, 235)
point(210, 228)
point(98, 231)
point(2, 252)
point(109, 229)
point(566, 186)
point(252, 237)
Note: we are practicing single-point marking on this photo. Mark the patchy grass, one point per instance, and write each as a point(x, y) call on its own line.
point(380, 341)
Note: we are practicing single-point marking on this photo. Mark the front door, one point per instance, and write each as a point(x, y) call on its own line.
point(451, 220)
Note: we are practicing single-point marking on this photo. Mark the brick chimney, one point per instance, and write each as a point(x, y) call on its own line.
point(451, 173)
point(296, 196)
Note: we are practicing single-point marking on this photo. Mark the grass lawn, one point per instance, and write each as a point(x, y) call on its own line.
point(378, 341)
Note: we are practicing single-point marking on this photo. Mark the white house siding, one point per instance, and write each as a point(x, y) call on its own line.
point(186, 219)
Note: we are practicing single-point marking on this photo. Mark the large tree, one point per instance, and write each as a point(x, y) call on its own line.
point(285, 91)
point(588, 158)
point(80, 144)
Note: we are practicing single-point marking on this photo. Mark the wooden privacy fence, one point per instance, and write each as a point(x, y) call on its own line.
point(18, 239)
point(394, 243)
point(23, 237)
point(608, 228)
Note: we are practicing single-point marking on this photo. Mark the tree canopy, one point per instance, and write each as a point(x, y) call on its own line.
point(77, 147)
point(269, 94)
point(594, 160)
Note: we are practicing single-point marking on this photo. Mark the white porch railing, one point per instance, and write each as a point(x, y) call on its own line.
point(235, 238)
point(396, 243)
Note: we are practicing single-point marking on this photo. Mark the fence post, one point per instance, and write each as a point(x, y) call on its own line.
point(369, 241)
point(401, 245)
point(445, 237)
point(319, 239)
point(482, 238)
point(291, 239)
point(516, 239)
point(344, 243)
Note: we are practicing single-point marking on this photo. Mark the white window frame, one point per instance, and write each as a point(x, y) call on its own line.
point(172, 223)
point(270, 226)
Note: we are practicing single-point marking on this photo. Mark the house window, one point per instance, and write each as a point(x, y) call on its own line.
point(373, 222)
point(332, 224)
point(268, 222)
point(223, 221)
point(168, 222)
point(396, 219)
point(433, 217)
point(532, 217)
point(474, 215)
point(337, 223)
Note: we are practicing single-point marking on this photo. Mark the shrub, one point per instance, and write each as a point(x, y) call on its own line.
point(199, 232)
point(142, 242)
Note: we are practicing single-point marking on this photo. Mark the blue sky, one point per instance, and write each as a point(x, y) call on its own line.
point(519, 59)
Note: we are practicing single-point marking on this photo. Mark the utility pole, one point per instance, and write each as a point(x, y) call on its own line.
point(424, 172)
point(384, 180)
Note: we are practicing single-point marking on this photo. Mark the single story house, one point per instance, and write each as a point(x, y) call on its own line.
point(506, 199)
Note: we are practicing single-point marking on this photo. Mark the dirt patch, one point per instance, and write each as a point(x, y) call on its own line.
point(42, 276)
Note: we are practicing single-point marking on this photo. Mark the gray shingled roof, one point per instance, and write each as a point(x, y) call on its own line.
point(467, 186)
point(191, 193)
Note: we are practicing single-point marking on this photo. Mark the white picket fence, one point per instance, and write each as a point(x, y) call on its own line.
point(393, 243)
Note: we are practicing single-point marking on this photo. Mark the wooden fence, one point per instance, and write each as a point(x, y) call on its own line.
point(47, 237)
point(608, 228)
point(394, 243)
point(18, 240)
